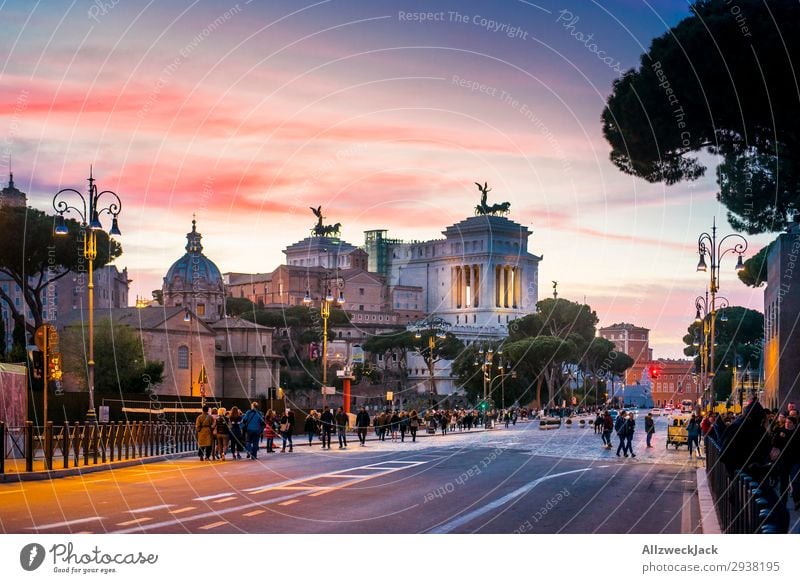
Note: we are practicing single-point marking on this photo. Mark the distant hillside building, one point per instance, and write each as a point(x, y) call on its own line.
point(11, 196)
point(633, 341)
point(782, 321)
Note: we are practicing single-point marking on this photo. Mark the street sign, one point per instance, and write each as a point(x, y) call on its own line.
point(52, 337)
point(390, 395)
point(357, 355)
point(328, 390)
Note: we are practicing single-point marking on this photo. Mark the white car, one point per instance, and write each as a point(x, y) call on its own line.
point(655, 412)
point(667, 412)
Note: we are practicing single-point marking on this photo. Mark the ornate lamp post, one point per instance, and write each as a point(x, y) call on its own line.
point(704, 314)
point(89, 211)
point(435, 328)
point(708, 246)
point(325, 312)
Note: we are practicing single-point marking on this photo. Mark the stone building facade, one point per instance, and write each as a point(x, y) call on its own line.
point(782, 321)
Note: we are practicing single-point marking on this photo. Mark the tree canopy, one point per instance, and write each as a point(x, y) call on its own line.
point(754, 273)
point(34, 257)
point(721, 81)
point(120, 365)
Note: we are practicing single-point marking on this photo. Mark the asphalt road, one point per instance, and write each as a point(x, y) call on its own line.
point(503, 481)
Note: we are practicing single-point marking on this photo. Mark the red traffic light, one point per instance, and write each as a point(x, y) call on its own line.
point(654, 371)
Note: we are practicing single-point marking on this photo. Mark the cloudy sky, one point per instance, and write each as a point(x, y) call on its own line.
point(384, 113)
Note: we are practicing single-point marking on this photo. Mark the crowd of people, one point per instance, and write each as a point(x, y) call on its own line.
point(221, 432)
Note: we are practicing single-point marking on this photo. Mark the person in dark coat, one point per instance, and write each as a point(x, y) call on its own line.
point(237, 441)
point(746, 444)
point(362, 425)
point(630, 428)
point(342, 423)
point(327, 422)
point(649, 428)
point(608, 427)
point(310, 427)
point(620, 427)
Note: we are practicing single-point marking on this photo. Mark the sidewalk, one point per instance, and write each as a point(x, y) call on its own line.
point(15, 468)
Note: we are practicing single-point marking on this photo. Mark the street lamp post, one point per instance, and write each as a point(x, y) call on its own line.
point(705, 314)
point(325, 312)
point(89, 211)
point(707, 245)
point(435, 328)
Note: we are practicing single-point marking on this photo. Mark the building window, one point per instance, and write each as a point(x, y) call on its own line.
point(361, 307)
point(201, 309)
point(183, 357)
point(361, 291)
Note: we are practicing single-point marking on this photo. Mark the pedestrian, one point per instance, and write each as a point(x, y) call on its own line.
point(327, 422)
point(204, 426)
point(253, 426)
point(649, 428)
point(223, 431)
point(362, 425)
point(395, 425)
point(310, 427)
point(237, 444)
point(598, 423)
point(342, 423)
point(270, 432)
point(785, 456)
point(214, 452)
point(620, 427)
point(608, 427)
point(413, 425)
point(287, 428)
point(693, 435)
point(380, 426)
point(403, 425)
point(630, 428)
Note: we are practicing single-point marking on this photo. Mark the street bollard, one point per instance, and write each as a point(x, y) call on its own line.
point(48, 446)
point(29, 446)
point(65, 444)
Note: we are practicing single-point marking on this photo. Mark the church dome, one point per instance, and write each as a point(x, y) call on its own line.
point(195, 281)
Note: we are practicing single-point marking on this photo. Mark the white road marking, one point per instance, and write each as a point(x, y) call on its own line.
point(228, 499)
point(478, 512)
point(181, 510)
point(151, 508)
point(255, 513)
point(212, 497)
point(289, 502)
point(134, 521)
point(11, 492)
point(65, 523)
point(213, 525)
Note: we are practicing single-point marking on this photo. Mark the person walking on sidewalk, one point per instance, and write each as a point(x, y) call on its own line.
point(286, 429)
point(204, 426)
point(630, 427)
point(310, 427)
point(253, 425)
point(413, 425)
point(270, 430)
point(620, 426)
point(237, 441)
point(342, 423)
point(223, 431)
point(649, 428)
point(327, 422)
point(607, 425)
point(362, 425)
point(693, 435)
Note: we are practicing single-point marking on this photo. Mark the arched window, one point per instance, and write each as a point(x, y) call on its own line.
point(183, 357)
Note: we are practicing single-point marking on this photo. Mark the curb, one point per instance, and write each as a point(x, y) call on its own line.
point(91, 469)
point(10, 477)
point(709, 523)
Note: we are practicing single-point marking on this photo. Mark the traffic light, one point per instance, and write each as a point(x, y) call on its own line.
point(654, 371)
point(36, 363)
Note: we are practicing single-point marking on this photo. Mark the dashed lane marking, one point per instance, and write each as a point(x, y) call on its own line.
point(214, 525)
point(182, 510)
point(134, 521)
point(254, 513)
point(289, 502)
point(151, 508)
point(213, 496)
point(228, 499)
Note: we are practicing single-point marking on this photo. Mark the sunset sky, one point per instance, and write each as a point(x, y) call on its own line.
point(248, 113)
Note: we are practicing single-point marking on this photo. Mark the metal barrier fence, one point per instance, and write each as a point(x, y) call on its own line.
point(75, 444)
point(744, 506)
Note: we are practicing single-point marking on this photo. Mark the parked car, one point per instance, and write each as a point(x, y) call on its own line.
point(655, 412)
